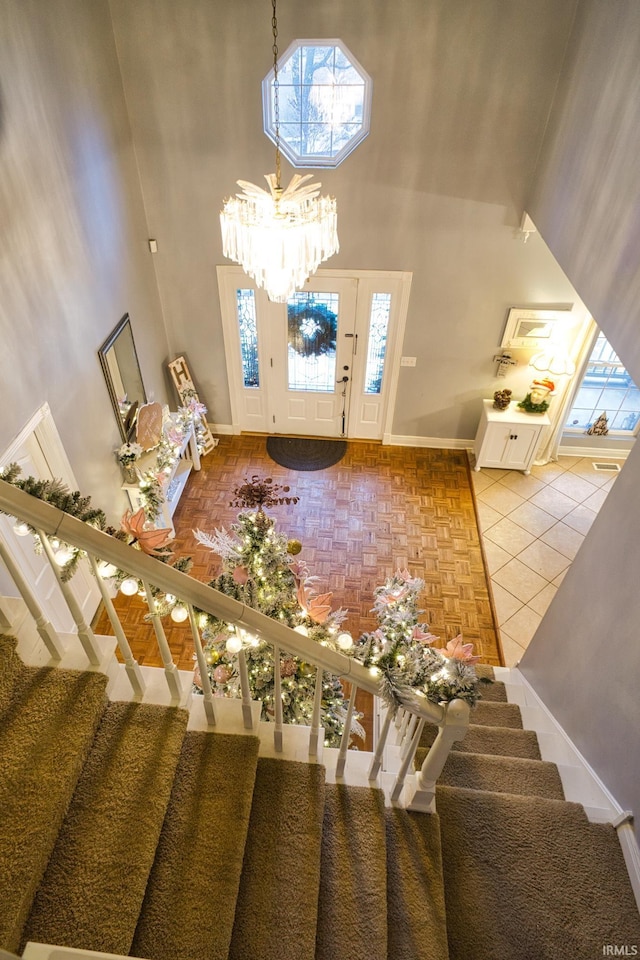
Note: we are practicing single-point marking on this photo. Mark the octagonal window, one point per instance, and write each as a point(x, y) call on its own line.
point(324, 103)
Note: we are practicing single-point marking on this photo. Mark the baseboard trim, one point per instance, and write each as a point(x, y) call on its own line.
point(223, 428)
point(631, 854)
point(454, 443)
point(615, 814)
point(594, 453)
point(436, 443)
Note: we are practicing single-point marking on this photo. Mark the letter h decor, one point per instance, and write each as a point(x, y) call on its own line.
point(186, 392)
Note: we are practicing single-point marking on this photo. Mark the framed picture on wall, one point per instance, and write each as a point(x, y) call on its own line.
point(532, 328)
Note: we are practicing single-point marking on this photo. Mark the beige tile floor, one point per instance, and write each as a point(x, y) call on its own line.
point(532, 527)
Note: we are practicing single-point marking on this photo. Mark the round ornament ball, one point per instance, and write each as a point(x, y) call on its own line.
point(294, 547)
point(287, 667)
point(221, 674)
point(212, 656)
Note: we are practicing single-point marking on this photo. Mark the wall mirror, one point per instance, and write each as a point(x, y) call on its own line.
point(119, 362)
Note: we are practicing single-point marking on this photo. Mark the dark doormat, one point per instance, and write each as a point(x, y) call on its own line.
point(300, 453)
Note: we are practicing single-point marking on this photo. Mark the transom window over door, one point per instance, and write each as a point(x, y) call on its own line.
point(325, 363)
point(324, 103)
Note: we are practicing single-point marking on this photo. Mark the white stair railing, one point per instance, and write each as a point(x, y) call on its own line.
point(245, 689)
point(346, 734)
point(452, 719)
point(170, 669)
point(131, 666)
point(277, 694)
point(207, 692)
point(85, 633)
point(314, 738)
point(44, 627)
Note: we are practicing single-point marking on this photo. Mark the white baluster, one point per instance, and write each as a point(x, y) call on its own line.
point(404, 723)
point(376, 763)
point(170, 669)
point(453, 728)
point(277, 693)
point(132, 668)
point(209, 708)
point(406, 763)
point(5, 622)
point(85, 633)
point(346, 734)
point(314, 737)
point(408, 736)
point(43, 626)
point(247, 715)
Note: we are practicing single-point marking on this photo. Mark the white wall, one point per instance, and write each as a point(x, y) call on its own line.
point(461, 95)
point(584, 661)
point(73, 253)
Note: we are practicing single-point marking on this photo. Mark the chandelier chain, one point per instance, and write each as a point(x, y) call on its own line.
point(276, 88)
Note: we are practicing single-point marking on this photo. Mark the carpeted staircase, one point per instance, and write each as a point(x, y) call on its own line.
point(526, 875)
point(122, 832)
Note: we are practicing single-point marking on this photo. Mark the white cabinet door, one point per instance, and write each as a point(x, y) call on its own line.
point(508, 440)
point(510, 446)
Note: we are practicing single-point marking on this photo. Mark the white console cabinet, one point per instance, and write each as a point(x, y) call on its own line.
point(508, 439)
point(187, 459)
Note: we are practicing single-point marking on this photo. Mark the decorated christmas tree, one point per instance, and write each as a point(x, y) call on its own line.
point(260, 569)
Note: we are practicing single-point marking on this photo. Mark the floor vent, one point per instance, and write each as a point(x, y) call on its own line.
point(606, 467)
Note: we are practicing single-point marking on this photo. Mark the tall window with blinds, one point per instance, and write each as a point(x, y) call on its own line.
point(606, 388)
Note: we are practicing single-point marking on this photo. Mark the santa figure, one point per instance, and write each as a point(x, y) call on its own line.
point(537, 400)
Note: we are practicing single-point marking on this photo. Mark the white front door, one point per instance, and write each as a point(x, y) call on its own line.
point(323, 364)
point(311, 356)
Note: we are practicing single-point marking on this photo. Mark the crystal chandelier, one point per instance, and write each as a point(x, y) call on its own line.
point(280, 236)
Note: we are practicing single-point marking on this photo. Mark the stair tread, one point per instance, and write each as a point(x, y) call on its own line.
point(189, 905)
point(482, 738)
point(47, 724)
point(416, 917)
point(538, 878)
point(110, 832)
point(514, 775)
point(496, 714)
point(495, 691)
point(485, 670)
point(352, 907)
point(277, 902)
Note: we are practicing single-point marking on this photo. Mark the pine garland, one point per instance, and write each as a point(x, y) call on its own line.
point(530, 407)
point(402, 651)
point(58, 495)
point(151, 495)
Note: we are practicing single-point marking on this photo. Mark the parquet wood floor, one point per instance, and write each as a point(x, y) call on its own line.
point(380, 508)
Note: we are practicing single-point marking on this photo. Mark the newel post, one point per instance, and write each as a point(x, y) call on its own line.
point(452, 729)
